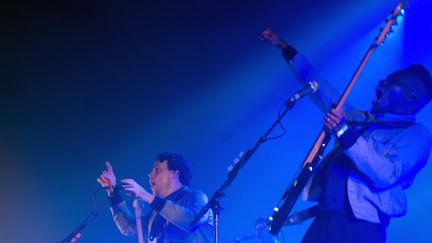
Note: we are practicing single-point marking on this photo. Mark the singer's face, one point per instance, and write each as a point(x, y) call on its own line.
point(160, 178)
point(386, 97)
point(391, 94)
point(402, 92)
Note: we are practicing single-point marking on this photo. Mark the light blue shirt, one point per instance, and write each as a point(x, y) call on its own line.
point(386, 159)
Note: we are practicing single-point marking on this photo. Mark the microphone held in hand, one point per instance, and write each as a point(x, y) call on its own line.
point(118, 187)
point(309, 89)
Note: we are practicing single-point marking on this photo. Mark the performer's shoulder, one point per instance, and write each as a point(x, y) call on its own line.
point(196, 193)
point(421, 130)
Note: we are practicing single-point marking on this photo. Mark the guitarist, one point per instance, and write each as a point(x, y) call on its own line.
point(360, 185)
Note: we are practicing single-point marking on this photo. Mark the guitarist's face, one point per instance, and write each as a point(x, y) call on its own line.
point(400, 93)
point(387, 96)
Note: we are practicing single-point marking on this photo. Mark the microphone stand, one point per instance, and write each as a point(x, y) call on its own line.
point(213, 203)
point(76, 233)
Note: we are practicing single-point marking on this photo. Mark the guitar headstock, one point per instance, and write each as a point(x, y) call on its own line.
point(390, 23)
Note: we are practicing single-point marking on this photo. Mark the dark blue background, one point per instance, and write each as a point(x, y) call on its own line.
point(83, 82)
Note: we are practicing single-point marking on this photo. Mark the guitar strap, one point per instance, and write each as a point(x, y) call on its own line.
point(311, 212)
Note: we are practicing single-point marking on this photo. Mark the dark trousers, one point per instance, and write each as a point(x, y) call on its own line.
point(341, 227)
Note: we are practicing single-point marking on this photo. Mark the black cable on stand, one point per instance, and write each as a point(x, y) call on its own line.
point(76, 233)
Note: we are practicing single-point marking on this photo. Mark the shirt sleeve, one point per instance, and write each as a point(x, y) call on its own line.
point(125, 221)
point(182, 214)
point(408, 153)
point(327, 95)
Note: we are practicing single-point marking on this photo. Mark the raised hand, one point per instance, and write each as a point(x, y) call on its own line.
point(107, 179)
point(131, 186)
point(270, 37)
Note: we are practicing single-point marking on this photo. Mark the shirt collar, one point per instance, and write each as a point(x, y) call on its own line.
point(175, 193)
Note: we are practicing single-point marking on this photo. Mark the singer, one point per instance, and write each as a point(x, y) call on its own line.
point(360, 185)
point(173, 205)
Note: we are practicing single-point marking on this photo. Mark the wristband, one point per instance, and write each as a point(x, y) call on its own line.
point(347, 138)
point(289, 53)
point(342, 131)
point(115, 197)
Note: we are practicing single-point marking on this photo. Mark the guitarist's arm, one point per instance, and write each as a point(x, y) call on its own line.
point(327, 95)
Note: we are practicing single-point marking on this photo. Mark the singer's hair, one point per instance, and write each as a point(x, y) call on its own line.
point(176, 162)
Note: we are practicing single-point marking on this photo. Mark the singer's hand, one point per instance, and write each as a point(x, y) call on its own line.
point(270, 37)
point(131, 186)
point(107, 179)
point(334, 120)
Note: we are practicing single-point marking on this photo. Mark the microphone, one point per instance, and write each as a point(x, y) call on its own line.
point(309, 89)
point(117, 187)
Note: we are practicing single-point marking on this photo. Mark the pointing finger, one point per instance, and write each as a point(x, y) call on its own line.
point(108, 164)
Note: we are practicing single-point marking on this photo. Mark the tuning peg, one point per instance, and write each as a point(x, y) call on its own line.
point(399, 18)
point(241, 154)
